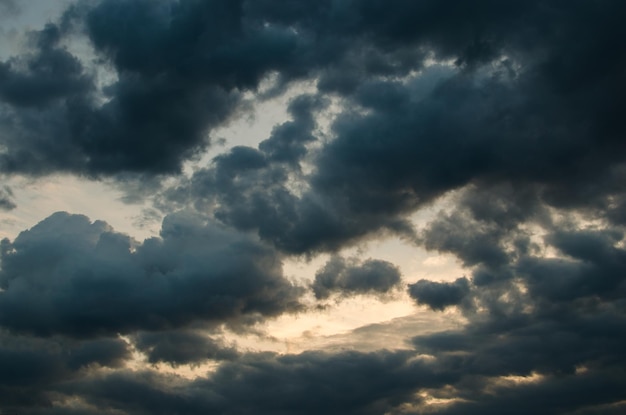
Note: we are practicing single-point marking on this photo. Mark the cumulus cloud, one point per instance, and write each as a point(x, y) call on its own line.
point(176, 79)
point(348, 278)
point(70, 276)
point(439, 295)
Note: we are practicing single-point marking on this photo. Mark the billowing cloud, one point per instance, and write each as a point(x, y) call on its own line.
point(265, 190)
point(399, 145)
point(179, 69)
point(70, 276)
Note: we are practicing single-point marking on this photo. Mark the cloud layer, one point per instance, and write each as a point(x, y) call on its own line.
point(501, 117)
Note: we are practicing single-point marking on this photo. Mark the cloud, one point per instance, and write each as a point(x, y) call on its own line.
point(594, 268)
point(32, 366)
point(309, 383)
point(348, 278)
point(398, 145)
point(484, 366)
point(439, 295)
point(179, 69)
point(69, 276)
point(49, 75)
point(510, 358)
point(182, 347)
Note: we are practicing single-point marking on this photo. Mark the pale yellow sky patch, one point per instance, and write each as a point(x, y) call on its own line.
point(37, 199)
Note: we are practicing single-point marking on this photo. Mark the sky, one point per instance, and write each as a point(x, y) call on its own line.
point(304, 207)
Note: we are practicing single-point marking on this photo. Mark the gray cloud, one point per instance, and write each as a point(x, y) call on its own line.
point(482, 122)
point(182, 347)
point(68, 275)
point(176, 80)
point(182, 73)
point(348, 278)
point(252, 189)
point(49, 75)
point(310, 383)
point(30, 367)
point(439, 295)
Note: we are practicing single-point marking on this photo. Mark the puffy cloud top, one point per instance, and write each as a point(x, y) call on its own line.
point(68, 275)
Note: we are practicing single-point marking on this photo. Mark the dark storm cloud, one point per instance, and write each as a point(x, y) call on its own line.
point(490, 233)
point(68, 275)
point(517, 120)
point(574, 343)
point(399, 145)
point(180, 69)
point(347, 278)
point(356, 41)
point(467, 129)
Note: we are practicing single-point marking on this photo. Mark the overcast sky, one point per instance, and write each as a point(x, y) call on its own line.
point(312, 207)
